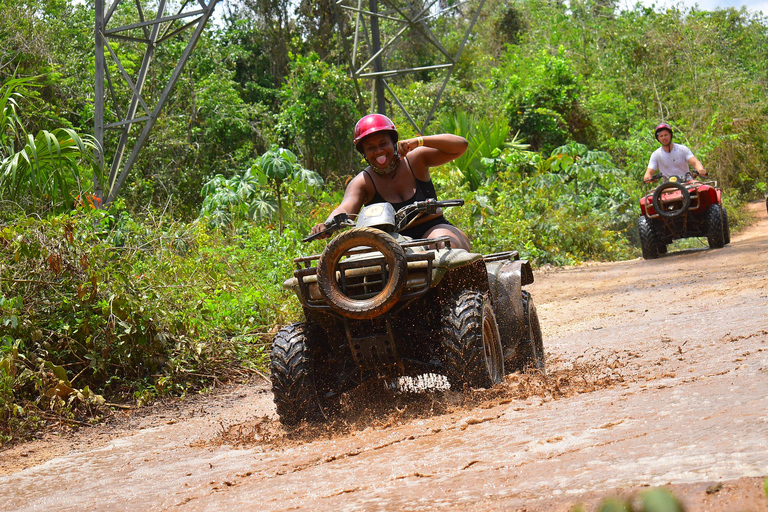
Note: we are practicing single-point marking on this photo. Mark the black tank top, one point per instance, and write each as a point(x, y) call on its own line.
point(424, 190)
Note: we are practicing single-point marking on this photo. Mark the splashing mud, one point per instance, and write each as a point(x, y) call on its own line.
point(377, 405)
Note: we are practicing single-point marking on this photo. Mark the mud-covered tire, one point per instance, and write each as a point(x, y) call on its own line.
point(472, 352)
point(647, 238)
point(726, 227)
point(293, 382)
point(530, 351)
point(665, 187)
point(715, 231)
point(392, 290)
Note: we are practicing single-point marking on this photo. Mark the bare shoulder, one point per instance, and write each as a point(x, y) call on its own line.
point(418, 163)
point(359, 188)
point(360, 181)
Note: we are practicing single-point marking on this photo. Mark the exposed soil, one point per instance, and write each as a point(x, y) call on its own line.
point(657, 376)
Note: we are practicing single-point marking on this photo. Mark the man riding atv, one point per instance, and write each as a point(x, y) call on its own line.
point(681, 207)
point(672, 159)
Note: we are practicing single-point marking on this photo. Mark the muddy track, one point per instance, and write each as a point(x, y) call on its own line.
point(658, 372)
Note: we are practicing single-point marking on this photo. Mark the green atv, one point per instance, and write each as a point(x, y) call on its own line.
point(378, 305)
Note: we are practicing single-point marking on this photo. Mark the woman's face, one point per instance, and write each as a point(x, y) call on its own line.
point(379, 149)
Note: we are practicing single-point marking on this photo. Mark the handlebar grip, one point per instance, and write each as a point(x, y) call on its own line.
point(330, 225)
point(309, 238)
point(451, 202)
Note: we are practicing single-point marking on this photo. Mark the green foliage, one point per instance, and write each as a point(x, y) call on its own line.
point(530, 208)
point(486, 138)
point(319, 114)
point(40, 171)
point(543, 99)
point(98, 303)
point(588, 179)
point(653, 500)
point(227, 202)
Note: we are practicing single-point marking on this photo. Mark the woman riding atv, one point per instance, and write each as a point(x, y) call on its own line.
point(400, 176)
point(672, 159)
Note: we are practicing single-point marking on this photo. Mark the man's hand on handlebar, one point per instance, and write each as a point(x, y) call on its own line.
point(655, 177)
point(696, 173)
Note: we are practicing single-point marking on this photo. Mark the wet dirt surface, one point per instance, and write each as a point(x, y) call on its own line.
point(658, 372)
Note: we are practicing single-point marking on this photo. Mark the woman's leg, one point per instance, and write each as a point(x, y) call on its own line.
point(458, 239)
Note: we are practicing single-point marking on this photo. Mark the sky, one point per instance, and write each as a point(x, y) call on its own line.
point(755, 6)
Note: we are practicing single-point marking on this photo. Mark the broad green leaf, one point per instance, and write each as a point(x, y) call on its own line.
point(59, 372)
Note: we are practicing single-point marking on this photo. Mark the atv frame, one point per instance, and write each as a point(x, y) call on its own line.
point(378, 305)
point(675, 210)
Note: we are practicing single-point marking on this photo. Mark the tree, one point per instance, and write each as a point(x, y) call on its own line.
point(319, 114)
point(543, 100)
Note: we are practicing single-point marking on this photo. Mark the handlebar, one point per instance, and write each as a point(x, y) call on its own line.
point(655, 177)
point(331, 225)
point(402, 218)
point(429, 207)
point(658, 176)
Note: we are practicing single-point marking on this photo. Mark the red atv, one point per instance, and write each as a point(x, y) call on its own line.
point(677, 209)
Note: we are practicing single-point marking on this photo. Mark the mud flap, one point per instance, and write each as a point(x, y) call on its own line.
point(506, 281)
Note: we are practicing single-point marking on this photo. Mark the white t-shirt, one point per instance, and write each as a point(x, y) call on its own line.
point(674, 163)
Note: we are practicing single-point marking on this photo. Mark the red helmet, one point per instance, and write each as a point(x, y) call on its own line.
point(371, 124)
point(662, 126)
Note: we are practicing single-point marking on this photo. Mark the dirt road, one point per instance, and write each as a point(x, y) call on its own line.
point(658, 375)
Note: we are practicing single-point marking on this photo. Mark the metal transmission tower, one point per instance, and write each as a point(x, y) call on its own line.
point(404, 15)
point(149, 32)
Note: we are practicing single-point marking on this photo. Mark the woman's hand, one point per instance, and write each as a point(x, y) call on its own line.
point(317, 228)
point(406, 146)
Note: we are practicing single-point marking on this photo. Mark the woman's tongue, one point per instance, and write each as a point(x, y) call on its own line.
point(381, 160)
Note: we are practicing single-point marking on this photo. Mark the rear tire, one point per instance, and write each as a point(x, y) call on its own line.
point(293, 382)
point(472, 352)
point(715, 231)
point(726, 227)
point(647, 238)
point(530, 350)
point(661, 248)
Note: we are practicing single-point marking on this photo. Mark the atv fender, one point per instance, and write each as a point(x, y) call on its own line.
point(506, 279)
point(451, 259)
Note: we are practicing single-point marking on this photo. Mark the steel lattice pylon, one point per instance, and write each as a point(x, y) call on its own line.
point(151, 33)
point(415, 17)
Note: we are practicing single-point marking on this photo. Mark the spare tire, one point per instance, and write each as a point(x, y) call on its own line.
point(394, 275)
point(665, 188)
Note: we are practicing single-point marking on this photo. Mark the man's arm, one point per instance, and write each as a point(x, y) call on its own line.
point(649, 175)
point(694, 162)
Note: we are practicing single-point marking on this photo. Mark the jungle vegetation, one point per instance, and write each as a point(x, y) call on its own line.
point(177, 285)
